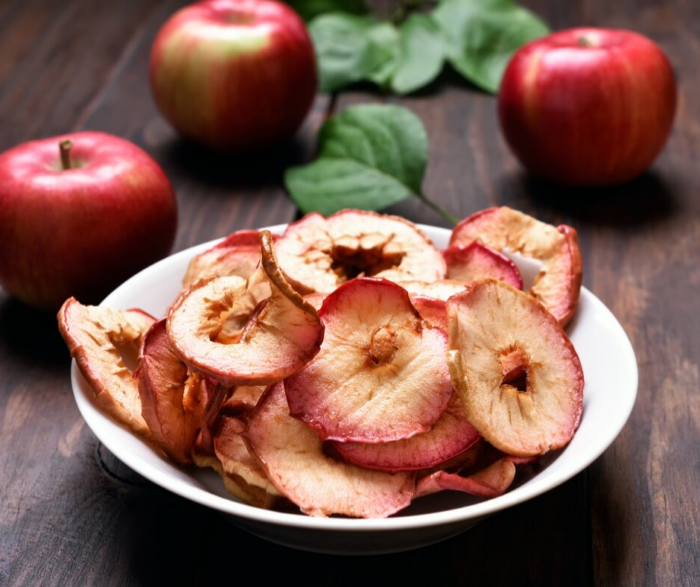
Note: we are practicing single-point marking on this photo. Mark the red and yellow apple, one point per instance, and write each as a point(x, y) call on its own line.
point(587, 106)
point(78, 215)
point(234, 75)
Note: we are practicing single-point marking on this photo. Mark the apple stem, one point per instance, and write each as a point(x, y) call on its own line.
point(584, 42)
point(433, 206)
point(65, 147)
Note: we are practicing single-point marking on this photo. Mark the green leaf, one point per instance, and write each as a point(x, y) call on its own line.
point(329, 185)
point(351, 48)
point(484, 34)
point(370, 156)
point(310, 9)
point(422, 54)
point(386, 43)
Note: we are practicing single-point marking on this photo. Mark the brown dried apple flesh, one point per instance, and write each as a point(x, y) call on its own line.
point(381, 374)
point(97, 339)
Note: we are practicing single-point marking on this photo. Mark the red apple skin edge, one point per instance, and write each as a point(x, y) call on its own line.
point(80, 231)
point(234, 75)
point(587, 106)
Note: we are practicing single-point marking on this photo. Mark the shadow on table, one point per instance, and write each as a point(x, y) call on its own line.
point(647, 200)
point(229, 171)
point(30, 336)
point(544, 541)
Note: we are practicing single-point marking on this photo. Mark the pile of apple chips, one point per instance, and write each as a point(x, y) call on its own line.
point(348, 366)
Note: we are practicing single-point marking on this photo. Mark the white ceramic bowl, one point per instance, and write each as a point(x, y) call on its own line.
point(610, 370)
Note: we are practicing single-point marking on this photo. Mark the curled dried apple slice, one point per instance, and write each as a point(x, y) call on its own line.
point(292, 456)
point(516, 370)
point(558, 284)
point(162, 382)
point(492, 481)
point(238, 254)
point(318, 255)
point(277, 341)
point(381, 374)
point(99, 339)
point(477, 261)
point(451, 435)
point(248, 480)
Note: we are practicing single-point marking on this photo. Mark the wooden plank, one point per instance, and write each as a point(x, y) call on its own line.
point(70, 513)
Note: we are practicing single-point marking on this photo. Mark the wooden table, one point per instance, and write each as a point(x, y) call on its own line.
point(71, 514)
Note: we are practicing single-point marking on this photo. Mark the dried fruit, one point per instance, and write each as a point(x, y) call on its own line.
point(497, 333)
point(318, 254)
point(292, 456)
point(381, 374)
point(100, 339)
point(238, 254)
point(451, 436)
point(477, 261)
point(277, 341)
point(558, 284)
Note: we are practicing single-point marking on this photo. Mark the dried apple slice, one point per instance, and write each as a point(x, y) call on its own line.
point(280, 339)
point(443, 289)
point(250, 482)
point(292, 456)
point(451, 435)
point(162, 380)
point(381, 374)
point(493, 329)
point(558, 284)
point(98, 339)
point(477, 261)
point(492, 481)
point(243, 399)
point(433, 311)
point(238, 254)
point(318, 255)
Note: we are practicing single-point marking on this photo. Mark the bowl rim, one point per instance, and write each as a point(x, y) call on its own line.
point(446, 517)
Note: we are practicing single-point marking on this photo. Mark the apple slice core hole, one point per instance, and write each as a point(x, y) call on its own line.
point(515, 366)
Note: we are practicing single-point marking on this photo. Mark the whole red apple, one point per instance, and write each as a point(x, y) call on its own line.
point(234, 75)
point(78, 215)
point(588, 106)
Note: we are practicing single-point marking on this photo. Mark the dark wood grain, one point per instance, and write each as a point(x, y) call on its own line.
point(71, 514)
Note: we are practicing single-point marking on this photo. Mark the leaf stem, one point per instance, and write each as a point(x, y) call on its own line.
point(433, 206)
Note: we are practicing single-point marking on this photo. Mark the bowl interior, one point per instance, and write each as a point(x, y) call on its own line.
point(609, 367)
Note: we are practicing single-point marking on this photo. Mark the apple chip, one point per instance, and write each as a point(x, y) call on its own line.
point(382, 373)
point(451, 436)
point(318, 255)
point(558, 284)
point(443, 289)
point(243, 399)
point(292, 456)
point(516, 370)
point(238, 254)
point(277, 341)
point(162, 383)
point(492, 481)
point(249, 481)
point(477, 261)
point(433, 311)
point(99, 339)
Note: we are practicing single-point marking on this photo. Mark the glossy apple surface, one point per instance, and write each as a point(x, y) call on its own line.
point(234, 74)
point(80, 231)
point(588, 106)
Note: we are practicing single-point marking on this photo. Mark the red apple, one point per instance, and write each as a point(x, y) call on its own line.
point(587, 106)
point(234, 74)
point(78, 215)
